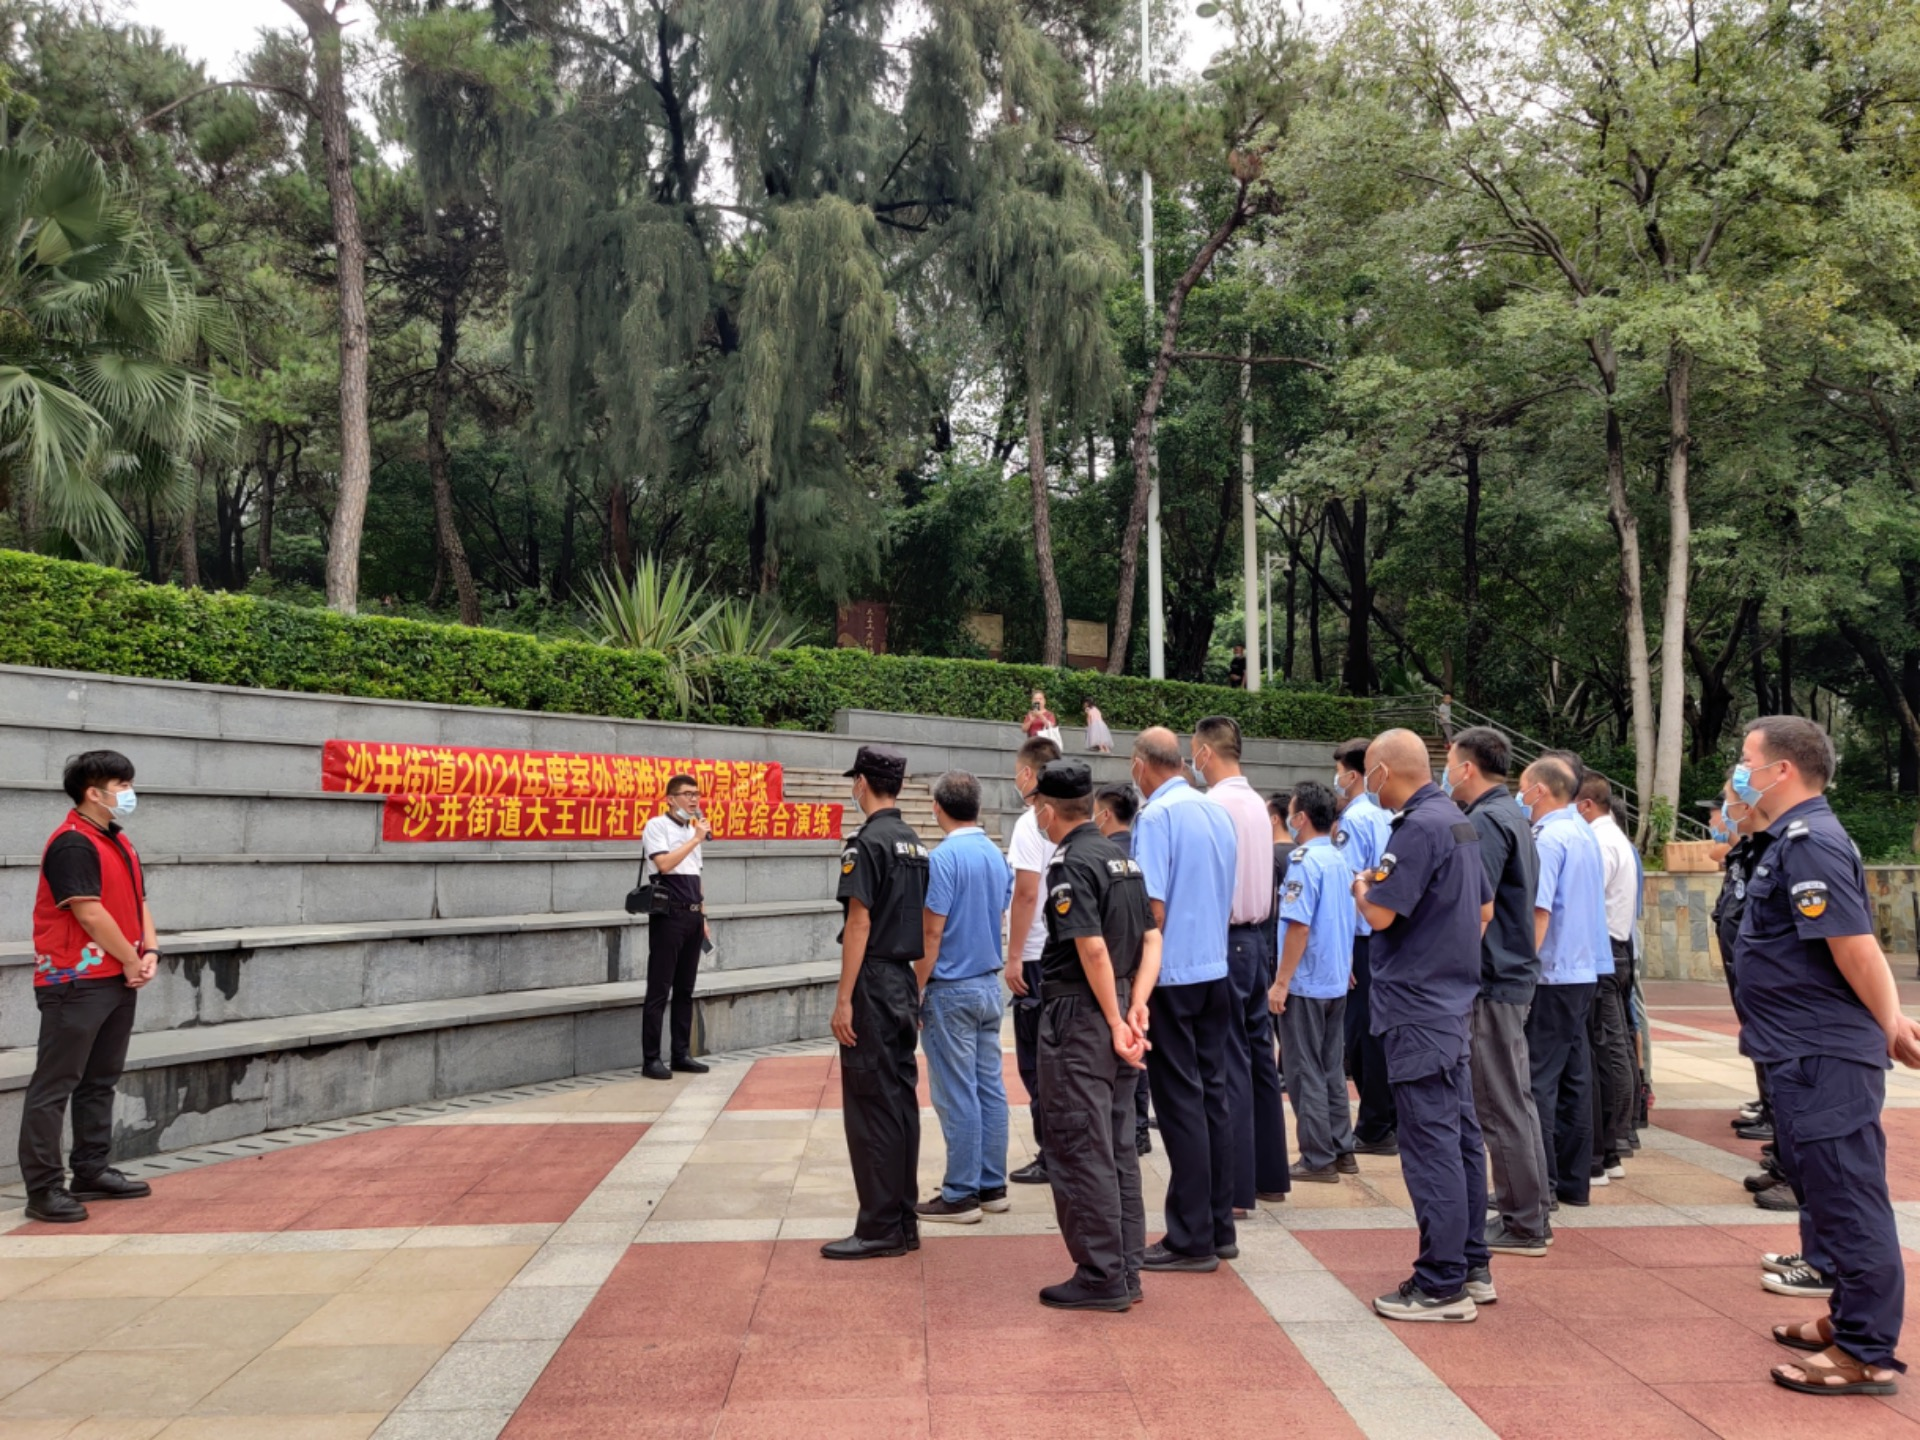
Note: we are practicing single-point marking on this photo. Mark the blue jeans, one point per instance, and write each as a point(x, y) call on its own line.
point(960, 1032)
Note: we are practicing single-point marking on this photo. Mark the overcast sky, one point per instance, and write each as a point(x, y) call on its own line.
point(219, 32)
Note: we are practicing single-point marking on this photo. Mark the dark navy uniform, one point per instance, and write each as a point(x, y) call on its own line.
point(885, 867)
point(1086, 1091)
point(1426, 973)
point(1731, 904)
point(1826, 1060)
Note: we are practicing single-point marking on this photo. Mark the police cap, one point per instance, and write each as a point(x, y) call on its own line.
point(1065, 780)
point(876, 762)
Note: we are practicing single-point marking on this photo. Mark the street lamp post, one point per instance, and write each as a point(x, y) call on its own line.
point(1156, 593)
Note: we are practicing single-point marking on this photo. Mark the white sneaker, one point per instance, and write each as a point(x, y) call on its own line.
point(1616, 1171)
point(1776, 1264)
point(1598, 1180)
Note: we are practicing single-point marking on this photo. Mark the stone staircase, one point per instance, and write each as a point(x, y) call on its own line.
point(831, 786)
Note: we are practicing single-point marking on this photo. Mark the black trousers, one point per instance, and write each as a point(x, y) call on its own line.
point(1366, 1060)
point(1557, 1047)
point(1259, 1126)
point(1191, 1034)
point(84, 1029)
point(673, 965)
point(1087, 1093)
point(1611, 1045)
point(879, 1079)
point(1740, 1014)
point(1026, 1046)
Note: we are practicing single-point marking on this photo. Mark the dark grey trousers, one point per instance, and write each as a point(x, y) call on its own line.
point(1509, 1117)
point(1086, 1093)
point(1611, 1043)
point(84, 1029)
point(1313, 1033)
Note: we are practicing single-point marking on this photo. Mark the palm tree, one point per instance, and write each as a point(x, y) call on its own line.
point(101, 397)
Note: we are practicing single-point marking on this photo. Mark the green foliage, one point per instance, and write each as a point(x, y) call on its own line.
point(65, 616)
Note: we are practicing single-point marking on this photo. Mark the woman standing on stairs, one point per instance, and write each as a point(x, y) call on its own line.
point(676, 926)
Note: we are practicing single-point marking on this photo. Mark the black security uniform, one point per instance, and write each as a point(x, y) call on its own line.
point(1826, 1060)
point(885, 868)
point(1086, 1090)
point(1744, 855)
point(1142, 1092)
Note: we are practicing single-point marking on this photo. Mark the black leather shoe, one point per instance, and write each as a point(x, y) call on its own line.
point(1159, 1257)
point(109, 1184)
point(1324, 1174)
point(687, 1065)
point(1142, 1140)
point(56, 1207)
point(1388, 1146)
point(655, 1070)
point(1759, 1130)
point(1034, 1174)
point(854, 1248)
point(1346, 1164)
point(1073, 1295)
point(1226, 1252)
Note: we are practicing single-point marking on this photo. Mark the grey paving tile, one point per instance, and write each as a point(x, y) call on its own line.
point(532, 1312)
point(443, 1425)
point(1305, 1295)
point(482, 1375)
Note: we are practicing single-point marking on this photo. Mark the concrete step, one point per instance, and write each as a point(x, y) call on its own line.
point(403, 883)
point(830, 787)
point(1007, 736)
point(222, 977)
point(193, 1087)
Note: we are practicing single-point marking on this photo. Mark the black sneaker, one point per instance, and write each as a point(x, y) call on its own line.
point(1480, 1285)
point(1142, 1140)
point(1761, 1180)
point(687, 1065)
point(1159, 1257)
point(1775, 1264)
point(1226, 1252)
point(1777, 1197)
point(1410, 1302)
point(56, 1207)
point(656, 1070)
point(1323, 1174)
point(1389, 1146)
point(943, 1211)
point(1803, 1282)
point(1034, 1174)
point(994, 1201)
point(1758, 1130)
point(1346, 1164)
point(109, 1184)
point(1074, 1295)
point(1512, 1242)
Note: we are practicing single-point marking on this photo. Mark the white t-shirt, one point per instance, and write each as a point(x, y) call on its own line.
point(664, 833)
point(1622, 877)
point(1030, 850)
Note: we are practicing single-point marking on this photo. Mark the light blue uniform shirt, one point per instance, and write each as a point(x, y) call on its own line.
point(1361, 835)
point(1318, 893)
point(969, 882)
point(1572, 891)
point(1186, 848)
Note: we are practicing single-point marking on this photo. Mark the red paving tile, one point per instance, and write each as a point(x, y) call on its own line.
point(1509, 1347)
point(639, 1422)
point(405, 1175)
point(1758, 1409)
point(1057, 1417)
point(1254, 1415)
point(812, 1082)
point(1580, 1412)
point(868, 1419)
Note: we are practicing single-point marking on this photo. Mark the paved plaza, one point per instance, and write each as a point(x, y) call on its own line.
point(617, 1257)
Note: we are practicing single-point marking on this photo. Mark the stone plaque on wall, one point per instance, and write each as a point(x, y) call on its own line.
point(1086, 644)
point(862, 625)
point(989, 631)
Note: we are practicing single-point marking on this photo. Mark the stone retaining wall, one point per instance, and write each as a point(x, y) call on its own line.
point(1677, 929)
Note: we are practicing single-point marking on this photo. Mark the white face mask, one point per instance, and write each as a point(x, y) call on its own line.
point(123, 804)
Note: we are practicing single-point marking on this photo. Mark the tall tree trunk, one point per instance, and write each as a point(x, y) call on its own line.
point(350, 258)
point(757, 564)
point(1757, 659)
point(1909, 763)
point(1142, 446)
point(453, 554)
point(1470, 578)
point(1786, 662)
point(189, 526)
point(1626, 531)
point(1053, 621)
point(1357, 673)
point(620, 528)
point(1892, 691)
point(1670, 748)
point(563, 564)
point(1313, 607)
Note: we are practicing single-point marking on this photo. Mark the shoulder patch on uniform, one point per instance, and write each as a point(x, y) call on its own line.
point(1299, 854)
point(1796, 829)
point(1061, 899)
point(1385, 867)
point(848, 858)
point(909, 850)
point(1340, 836)
point(1293, 891)
point(1810, 898)
point(1464, 833)
point(1122, 867)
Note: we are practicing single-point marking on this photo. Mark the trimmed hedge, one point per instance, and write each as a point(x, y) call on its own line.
point(58, 615)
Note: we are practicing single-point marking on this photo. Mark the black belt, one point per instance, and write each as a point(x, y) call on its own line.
point(697, 907)
point(1079, 989)
point(1252, 925)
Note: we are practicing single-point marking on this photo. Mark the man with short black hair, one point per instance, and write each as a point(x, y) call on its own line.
point(1101, 960)
point(94, 946)
point(876, 1011)
point(1824, 1016)
point(968, 890)
point(1254, 1097)
point(1309, 991)
point(1476, 777)
point(1361, 836)
point(1029, 852)
point(676, 927)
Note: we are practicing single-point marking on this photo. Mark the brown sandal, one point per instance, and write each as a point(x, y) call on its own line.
point(1834, 1372)
point(1813, 1335)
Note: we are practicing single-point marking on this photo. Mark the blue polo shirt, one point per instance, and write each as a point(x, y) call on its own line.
point(1573, 892)
point(1185, 847)
point(1426, 964)
point(1318, 893)
point(1806, 889)
point(1360, 835)
point(971, 884)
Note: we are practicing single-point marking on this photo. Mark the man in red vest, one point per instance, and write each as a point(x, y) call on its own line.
point(94, 947)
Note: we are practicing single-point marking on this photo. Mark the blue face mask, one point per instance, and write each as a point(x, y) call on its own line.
point(1293, 829)
point(1743, 785)
point(1720, 830)
point(1446, 780)
point(1525, 808)
point(1371, 793)
point(124, 803)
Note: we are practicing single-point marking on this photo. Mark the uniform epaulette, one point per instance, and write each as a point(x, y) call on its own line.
point(1796, 830)
point(1298, 854)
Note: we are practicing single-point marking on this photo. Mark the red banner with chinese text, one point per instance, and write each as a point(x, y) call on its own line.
point(545, 817)
point(382, 768)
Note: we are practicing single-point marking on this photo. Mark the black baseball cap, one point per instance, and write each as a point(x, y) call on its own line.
point(878, 763)
point(1065, 780)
